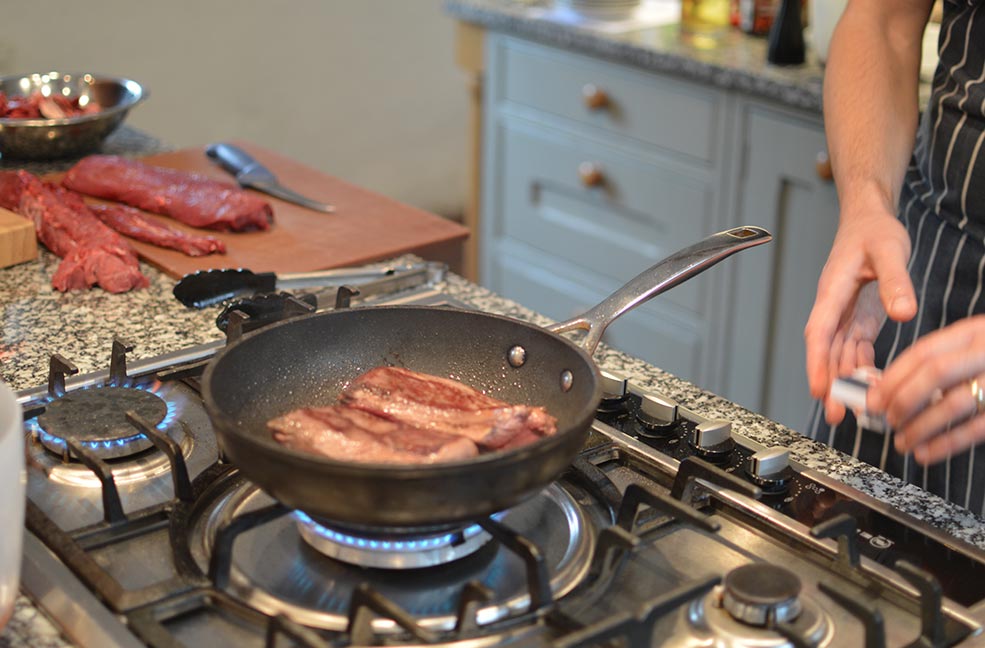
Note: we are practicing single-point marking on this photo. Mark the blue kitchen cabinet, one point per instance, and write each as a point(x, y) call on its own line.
point(592, 170)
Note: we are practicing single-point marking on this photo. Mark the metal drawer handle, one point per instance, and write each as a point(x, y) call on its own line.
point(590, 174)
point(822, 164)
point(595, 98)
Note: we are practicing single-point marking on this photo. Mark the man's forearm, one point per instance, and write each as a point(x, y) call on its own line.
point(870, 99)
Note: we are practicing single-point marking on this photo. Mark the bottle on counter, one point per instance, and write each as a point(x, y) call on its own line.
point(756, 16)
point(786, 37)
point(705, 15)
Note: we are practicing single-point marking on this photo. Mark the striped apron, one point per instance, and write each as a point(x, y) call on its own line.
point(942, 204)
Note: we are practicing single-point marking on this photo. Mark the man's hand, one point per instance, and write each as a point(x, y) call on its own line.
point(864, 279)
point(926, 393)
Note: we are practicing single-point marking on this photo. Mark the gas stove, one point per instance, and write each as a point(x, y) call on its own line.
point(669, 529)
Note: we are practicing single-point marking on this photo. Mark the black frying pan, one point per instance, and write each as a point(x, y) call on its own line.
point(308, 360)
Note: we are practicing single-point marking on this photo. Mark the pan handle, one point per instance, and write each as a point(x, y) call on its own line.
point(666, 274)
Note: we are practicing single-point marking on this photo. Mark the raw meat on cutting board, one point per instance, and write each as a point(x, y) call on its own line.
point(192, 199)
point(131, 222)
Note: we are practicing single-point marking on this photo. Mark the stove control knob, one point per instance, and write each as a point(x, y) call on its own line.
point(769, 462)
point(770, 468)
point(613, 385)
point(658, 410)
point(615, 393)
point(712, 440)
point(657, 416)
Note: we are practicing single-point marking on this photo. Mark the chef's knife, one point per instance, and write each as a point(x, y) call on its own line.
point(250, 173)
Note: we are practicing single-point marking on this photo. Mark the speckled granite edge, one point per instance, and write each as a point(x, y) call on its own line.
point(30, 628)
point(797, 87)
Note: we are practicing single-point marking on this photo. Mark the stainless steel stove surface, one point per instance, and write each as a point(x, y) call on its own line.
point(668, 530)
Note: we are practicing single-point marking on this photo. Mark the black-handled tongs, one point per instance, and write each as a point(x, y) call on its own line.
point(209, 287)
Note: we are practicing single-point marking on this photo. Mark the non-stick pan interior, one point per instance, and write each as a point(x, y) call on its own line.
point(308, 361)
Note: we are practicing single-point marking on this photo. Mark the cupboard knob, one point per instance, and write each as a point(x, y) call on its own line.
point(822, 164)
point(590, 174)
point(595, 98)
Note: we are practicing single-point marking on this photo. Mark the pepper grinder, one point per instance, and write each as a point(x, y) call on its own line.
point(786, 38)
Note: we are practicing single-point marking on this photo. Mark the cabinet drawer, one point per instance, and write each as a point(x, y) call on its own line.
point(640, 212)
point(673, 115)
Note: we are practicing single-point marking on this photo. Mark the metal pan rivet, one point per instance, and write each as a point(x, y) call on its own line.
point(517, 356)
point(567, 380)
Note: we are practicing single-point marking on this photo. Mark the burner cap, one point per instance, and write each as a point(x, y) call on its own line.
point(389, 548)
point(762, 594)
point(96, 419)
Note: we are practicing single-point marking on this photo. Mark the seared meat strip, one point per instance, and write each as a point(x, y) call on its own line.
point(447, 406)
point(190, 198)
point(131, 222)
point(91, 252)
point(349, 434)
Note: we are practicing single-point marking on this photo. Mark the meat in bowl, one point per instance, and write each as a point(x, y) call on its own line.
point(394, 415)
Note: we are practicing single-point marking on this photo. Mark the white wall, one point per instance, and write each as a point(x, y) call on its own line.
point(366, 90)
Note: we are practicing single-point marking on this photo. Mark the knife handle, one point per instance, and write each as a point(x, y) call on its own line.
point(231, 158)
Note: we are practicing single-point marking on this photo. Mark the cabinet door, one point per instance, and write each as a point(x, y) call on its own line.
point(560, 247)
point(780, 189)
point(576, 202)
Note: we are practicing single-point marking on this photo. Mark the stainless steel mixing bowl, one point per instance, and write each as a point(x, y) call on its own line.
point(45, 139)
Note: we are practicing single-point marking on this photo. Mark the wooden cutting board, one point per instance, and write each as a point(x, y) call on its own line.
point(365, 226)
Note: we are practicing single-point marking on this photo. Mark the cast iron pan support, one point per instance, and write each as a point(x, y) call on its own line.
point(843, 528)
point(281, 625)
point(222, 552)
point(932, 632)
point(118, 362)
point(637, 626)
point(112, 505)
point(58, 368)
point(474, 594)
point(636, 496)
point(861, 609)
point(367, 603)
point(164, 443)
point(693, 469)
point(538, 578)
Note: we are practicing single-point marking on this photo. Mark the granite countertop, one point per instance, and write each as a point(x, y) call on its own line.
point(655, 40)
point(37, 321)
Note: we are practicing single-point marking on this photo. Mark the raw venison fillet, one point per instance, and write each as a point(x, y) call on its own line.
point(448, 406)
point(348, 434)
point(91, 252)
point(190, 198)
point(12, 184)
point(131, 222)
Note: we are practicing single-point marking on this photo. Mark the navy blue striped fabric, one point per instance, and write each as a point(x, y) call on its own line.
point(942, 204)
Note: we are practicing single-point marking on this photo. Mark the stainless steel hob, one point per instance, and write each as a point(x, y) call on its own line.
point(668, 530)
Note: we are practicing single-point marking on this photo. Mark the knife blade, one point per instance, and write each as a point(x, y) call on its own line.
point(252, 174)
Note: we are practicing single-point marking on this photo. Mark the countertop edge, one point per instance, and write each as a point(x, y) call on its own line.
point(799, 94)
